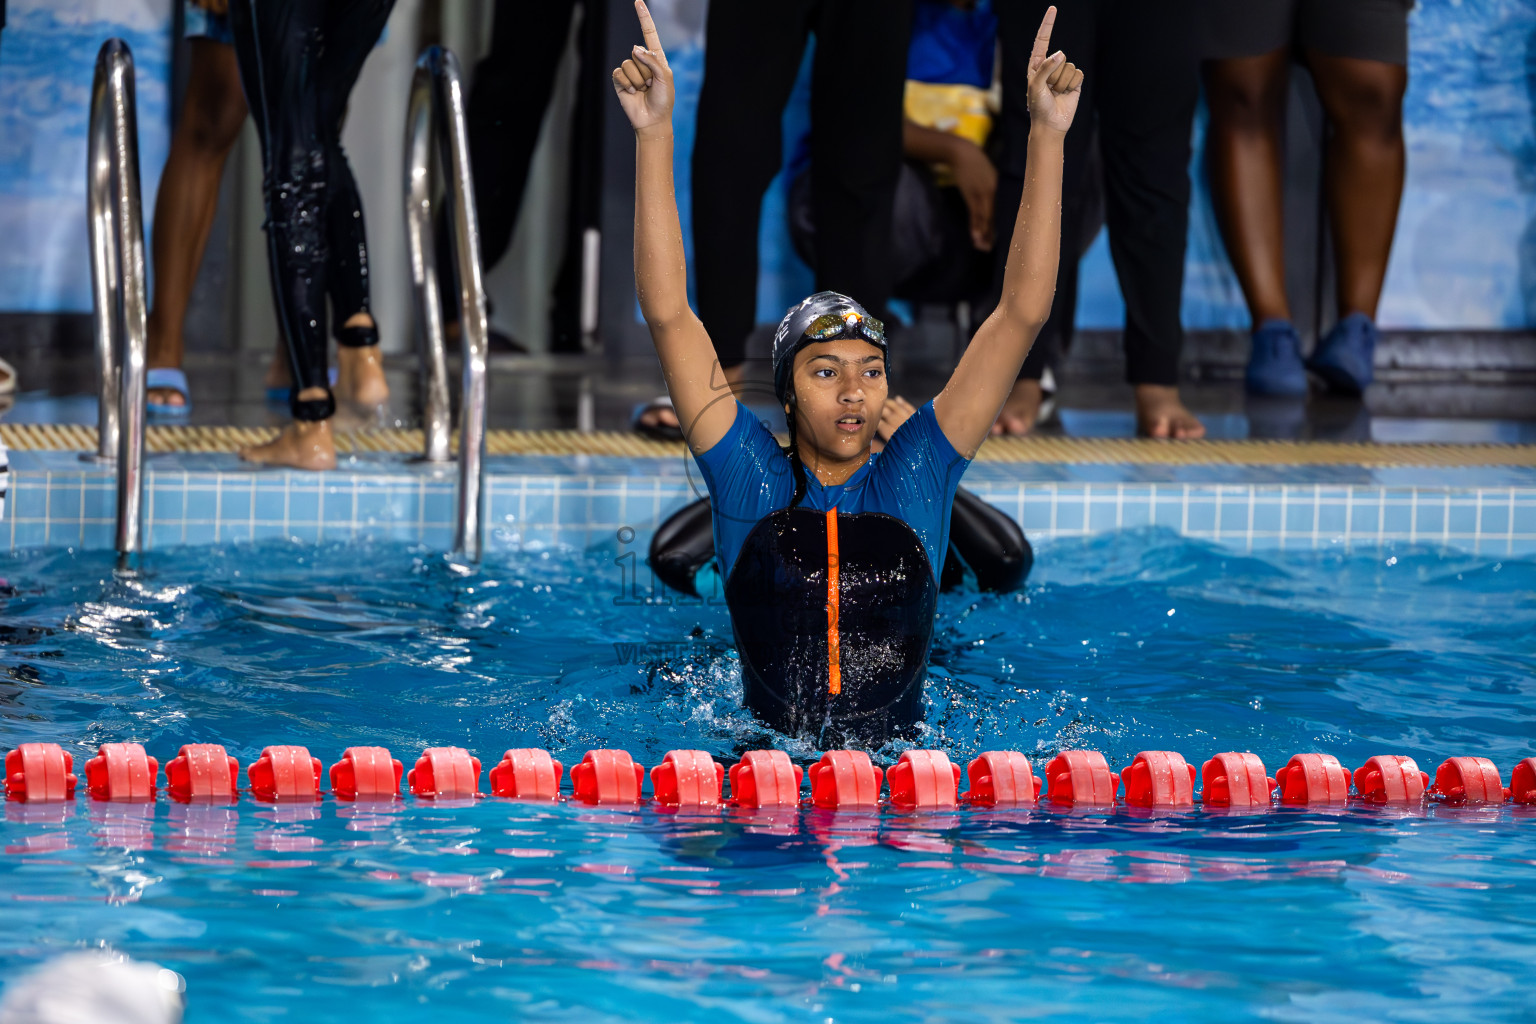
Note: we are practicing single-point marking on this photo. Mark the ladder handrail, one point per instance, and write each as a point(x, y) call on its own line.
point(119, 306)
point(436, 114)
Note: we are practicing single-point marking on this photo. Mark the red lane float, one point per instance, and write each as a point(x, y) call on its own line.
point(688, 778)
point(845, 779)
point(1313, 779)
point(924, 780)
point(1081, 778)
point(1235, 780)
point(285, 774)
point(526, 773)
point(366, 773)
point(608, 777)
point(765, 778)
point(1002, 778)
point(445, 773)
point(203, 772)
point(1522, 782)
point(38, 773)
point(1159, 778)
point(1391, 779)
point(122, 772)
point(1468, 780)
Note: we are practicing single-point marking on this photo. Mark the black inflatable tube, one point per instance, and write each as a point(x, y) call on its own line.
point(981, 538)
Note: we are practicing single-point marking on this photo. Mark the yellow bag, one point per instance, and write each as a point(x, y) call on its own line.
point(962, 110)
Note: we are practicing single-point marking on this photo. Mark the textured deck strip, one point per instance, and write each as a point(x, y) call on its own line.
point(1055, 450)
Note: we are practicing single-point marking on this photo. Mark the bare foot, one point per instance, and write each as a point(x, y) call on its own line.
point(657, 416)
point(1020, 411)
point(893, 413)
point(360, 376)
point(302, 445)
point(360, 370)
point(1159, 413)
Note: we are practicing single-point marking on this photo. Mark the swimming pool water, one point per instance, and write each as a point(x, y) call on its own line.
point(502, 911)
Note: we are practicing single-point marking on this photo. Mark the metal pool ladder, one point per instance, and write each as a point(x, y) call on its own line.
point(118, 303)
point(436, 114)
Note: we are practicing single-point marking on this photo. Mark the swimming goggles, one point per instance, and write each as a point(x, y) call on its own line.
point(846, 325)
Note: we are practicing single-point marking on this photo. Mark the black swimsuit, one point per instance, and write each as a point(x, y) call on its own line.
point(868, 640)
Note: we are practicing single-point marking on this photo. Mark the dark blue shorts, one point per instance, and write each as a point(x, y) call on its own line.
point(1363, 29)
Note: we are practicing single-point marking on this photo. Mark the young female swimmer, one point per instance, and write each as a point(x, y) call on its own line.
point(831, 553)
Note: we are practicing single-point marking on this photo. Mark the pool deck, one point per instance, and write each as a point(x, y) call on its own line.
point(610, 490)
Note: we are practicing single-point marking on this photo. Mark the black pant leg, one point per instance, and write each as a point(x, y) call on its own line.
point(752, 52)
point(856, 117)
point(352, 29)
point(279, 44)
point(1077, 34)
point(1148, 88)
point(511, 91)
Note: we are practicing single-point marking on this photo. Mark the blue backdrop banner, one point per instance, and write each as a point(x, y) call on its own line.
point(47, 59)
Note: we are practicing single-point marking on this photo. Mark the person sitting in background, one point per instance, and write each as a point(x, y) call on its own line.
point(1357, 52)
point(949, 109)
point(941, 224)
point(1143, 82)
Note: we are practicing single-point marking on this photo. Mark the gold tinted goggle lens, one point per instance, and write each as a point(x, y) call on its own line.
point(832, 325)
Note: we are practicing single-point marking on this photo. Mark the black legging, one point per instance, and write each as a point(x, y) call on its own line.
point(298, 61)
point(752, 54)
point(1140, 91)
point(512, 87)
point(981, 538)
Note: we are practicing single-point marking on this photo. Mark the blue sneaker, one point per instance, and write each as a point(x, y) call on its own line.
point(1346, 357)
point(1274, 366)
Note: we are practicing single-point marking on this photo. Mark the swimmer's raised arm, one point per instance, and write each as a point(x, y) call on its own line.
point(970, 402)
point(645, 90)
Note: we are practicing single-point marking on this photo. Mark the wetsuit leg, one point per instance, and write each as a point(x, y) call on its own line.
point(752, 53)
point(281, 46)
point(856, 156)
point(351, 30)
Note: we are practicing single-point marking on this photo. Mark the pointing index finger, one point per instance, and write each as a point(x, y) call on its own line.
point(1037, 55)
point(648, 27)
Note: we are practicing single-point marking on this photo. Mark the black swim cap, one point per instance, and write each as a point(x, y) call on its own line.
point(792, 336)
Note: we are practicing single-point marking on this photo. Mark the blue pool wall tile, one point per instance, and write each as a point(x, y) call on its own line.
point(57, 501)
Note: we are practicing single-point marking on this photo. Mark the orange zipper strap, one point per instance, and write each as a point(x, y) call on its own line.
point(834, 653)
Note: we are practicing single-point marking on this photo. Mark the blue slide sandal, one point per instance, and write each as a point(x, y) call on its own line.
point(168, 378)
